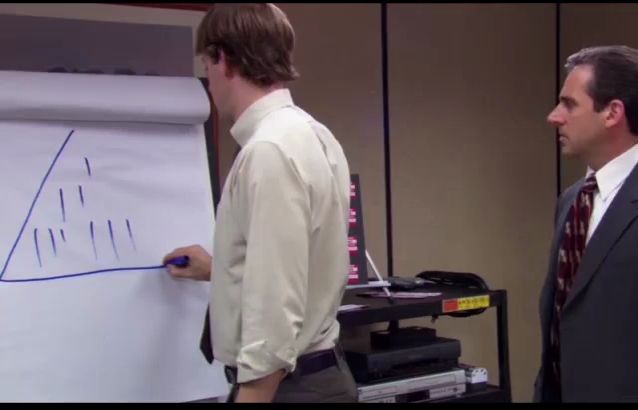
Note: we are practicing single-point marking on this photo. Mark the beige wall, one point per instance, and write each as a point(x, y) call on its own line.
point(340, 85)
point(473, 161)
point(585, 25)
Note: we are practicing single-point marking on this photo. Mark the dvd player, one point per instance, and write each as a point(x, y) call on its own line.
point(372, 364)
point(416, 389)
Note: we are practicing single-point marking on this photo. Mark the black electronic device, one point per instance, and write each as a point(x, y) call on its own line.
point(464, 280)
point(369, 364)
point(428, 278)
point(402, 284)
point(394, 338)
point(455, 280)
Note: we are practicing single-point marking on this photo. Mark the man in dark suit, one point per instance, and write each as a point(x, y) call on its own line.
point(589, 315)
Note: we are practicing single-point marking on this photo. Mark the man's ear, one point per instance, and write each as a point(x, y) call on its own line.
point(229, 72)
point(207, 62)
point(614, 113)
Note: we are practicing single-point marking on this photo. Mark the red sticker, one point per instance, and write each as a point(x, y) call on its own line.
point(450, 305)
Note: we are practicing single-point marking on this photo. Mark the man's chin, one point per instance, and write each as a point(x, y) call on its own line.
point(565, 148)
point(567, 151)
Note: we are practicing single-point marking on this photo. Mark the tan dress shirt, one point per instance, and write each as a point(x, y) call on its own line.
point(280, 257)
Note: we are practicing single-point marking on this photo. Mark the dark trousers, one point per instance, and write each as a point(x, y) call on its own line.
point(333, 384)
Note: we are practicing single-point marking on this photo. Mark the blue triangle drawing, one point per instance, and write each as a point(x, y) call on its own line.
point(64, 246)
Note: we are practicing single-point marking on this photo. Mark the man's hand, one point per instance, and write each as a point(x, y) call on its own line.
point(199, 265)
point(261, 390)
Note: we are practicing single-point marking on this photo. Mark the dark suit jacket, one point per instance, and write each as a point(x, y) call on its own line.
point(599, 324)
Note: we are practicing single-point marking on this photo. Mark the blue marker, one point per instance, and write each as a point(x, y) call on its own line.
point(180, 261)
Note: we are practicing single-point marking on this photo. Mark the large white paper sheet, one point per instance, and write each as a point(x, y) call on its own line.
point(87, 312)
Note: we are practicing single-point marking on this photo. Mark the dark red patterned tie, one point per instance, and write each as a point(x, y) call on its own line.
point(569, 256)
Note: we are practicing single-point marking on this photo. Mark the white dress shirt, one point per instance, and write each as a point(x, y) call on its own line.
point(280, 257)
point(610, 179)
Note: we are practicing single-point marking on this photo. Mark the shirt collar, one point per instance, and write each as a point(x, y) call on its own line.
point(247, 123)
point(612, 174)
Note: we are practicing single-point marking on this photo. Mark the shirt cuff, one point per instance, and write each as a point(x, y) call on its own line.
point(256, 360)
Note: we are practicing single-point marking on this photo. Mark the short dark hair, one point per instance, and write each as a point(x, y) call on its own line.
point(615, 76)
point(256, 38)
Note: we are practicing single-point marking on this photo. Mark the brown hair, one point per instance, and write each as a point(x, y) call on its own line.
point(256, 38)
point(615, 76)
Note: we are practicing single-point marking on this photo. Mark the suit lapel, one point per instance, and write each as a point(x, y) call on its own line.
point(621, 212)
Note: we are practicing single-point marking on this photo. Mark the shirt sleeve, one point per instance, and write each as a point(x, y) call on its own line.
point(275, 218)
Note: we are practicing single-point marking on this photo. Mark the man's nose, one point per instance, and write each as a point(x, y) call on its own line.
point(555, 119)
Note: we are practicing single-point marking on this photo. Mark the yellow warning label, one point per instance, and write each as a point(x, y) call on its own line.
point(474, 302)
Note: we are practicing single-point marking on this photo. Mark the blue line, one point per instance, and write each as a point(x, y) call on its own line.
point(73, 275)
point(93, 240)
point(88, 166)
point(37, 248)
point(37, 195)
point(130, 235)
point(62, 235)
point(81, 195)
point(55, 250)
point(113, 241)
point(62, 205)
